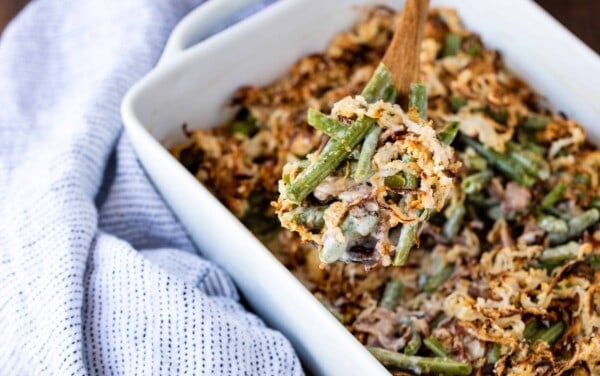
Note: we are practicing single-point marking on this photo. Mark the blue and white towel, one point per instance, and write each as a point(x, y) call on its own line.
point(96, 274)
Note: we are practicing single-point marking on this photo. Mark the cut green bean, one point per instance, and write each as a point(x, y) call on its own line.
point(448, 134)
point(552, 224)
point(577, 226)
point(559, 254)
point(553, 196)
point(436, 347)
point(474, 49)
point(326, 124)
point(438, 278)
point(494, 354)
point(332, 155)
point(495, 212)
point(414, 344)
point(419, 364)
point(408, 234)
point(476, 182)
point(549, 335)
point(594, 261)
point(454, 222)
point(412, 180)
point(418, 98)
point(452, 44)
point(457, 103)
point(502, 163)
point(245, 128)
point(530, 329)
point(475, 162)
point(337, 150)
point(369, 147)
point(392, 293)
point(389, 95)
point(310, 217)
point(482, 201)
point(530, 162)
point(536, 122)
point(378, 86)
point(395, 181)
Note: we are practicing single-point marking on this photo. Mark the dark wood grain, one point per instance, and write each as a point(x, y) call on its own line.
point(579, 16)
point(9, 9)
point(402, 55)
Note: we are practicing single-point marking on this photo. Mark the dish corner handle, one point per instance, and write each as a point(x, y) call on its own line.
point(200, 24)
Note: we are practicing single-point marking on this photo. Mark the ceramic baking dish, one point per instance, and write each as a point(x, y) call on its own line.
point(194, 82)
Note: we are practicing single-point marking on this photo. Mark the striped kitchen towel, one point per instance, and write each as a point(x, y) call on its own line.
point(96, 274)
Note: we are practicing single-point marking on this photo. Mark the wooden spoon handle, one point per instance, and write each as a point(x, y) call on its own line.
point(402, 55)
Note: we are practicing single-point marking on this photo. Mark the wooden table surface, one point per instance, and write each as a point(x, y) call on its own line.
point(580, 16)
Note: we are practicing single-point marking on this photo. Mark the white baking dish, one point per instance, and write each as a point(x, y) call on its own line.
point(194, 85)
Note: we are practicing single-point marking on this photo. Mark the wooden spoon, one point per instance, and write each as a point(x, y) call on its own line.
point(402, 55)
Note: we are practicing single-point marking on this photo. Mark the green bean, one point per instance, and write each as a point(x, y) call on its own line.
point(502, 163)
point(559, 254)
point(452, 44)
point(530, 329)
point(395, 181)
point(475, 162)
point(245, 123)
point(553, 196)
point(457, 103)
point(418, 98)
point(326, 124)
point(552, 224)
point(474, 49)
point(332, 155)
point(549, 335)
point(337, 150)
point(389, 95)
point(454, 221)
point(245, 128)
point(408, 234)
point(436, 347)
point(419, 364)
point(480, 199)
point(412, 181)
point(530, 162)
point(392, 293)
point(378, 86)
point(437, 320)
point(310, 217)
point(369, 147)
point(476, 182)
point(495, 212)
point(536, 122)
point(498, 116)
point(534, 147)
point(414, 344)
point(577, 226)
point(448, 134)
point(594, 261)
point(494, 354)
point(438, 278)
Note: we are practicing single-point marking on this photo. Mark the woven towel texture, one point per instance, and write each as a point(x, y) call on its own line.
point(96, 274)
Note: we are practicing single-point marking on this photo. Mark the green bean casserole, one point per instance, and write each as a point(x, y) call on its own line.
point(504, 274)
